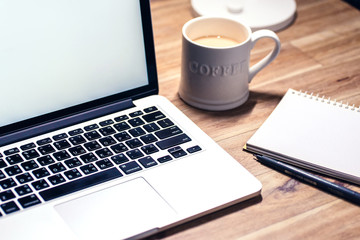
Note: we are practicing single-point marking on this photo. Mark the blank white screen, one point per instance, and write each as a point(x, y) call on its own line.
point(59, 53)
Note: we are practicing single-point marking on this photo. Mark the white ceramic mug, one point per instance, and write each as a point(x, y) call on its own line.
point(217, 78)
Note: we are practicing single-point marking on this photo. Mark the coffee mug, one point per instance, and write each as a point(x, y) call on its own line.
point(215, 73)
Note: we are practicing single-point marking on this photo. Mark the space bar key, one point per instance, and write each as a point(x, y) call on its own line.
point(80, 184)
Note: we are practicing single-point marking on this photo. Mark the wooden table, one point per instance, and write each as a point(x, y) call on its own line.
point(321, 54)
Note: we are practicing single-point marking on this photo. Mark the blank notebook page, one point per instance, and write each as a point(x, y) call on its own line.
point(314, 132)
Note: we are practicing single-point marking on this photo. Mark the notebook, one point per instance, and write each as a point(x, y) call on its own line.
point(312, 132)
point(88, 150)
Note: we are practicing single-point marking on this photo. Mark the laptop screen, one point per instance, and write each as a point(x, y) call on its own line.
point(59, 54)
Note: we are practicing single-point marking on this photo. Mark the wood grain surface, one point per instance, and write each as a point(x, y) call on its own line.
point(320, 53)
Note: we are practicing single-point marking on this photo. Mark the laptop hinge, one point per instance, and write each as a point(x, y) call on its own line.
point(65, 122)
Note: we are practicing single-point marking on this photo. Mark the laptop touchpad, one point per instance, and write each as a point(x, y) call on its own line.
point(121, 211)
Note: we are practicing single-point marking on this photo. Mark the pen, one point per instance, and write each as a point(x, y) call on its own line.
point(310, 179)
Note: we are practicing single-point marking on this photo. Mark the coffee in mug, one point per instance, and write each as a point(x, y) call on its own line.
point(216, 41)
point(215, 72)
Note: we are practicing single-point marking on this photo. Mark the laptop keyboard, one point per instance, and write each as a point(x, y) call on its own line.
point(55, 166)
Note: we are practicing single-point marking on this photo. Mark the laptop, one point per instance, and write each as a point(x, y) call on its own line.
point(88, 150)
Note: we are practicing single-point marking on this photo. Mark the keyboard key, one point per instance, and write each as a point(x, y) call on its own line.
point(130, 167)
point(14, 159)
point(29, 201)
point(6, 195)
point(119, 148)
point(9, 207)
point(29, 165)
point(40, 173)
point(121, 118)
point(62, 155)
point(150, 109)
point(153, 116)
point(11, 151)
point(27, 146)
point(57, 167)
point(193, 149)
point(80, 184)
point(122, 136)
point(2, 175)
point(46, 149)
point(87, 169)
point(43, 141)
point(88, 158)
point(152, 127)
point(105, 131)
point(173, 141)
point(24, 178)
point(39, 185)
point(147, 162)
point(136, 132)
point(62, 144)
point(45, 160)
point(149, 149)
point(13, 170)
point(92, 146)
point(7, 183)
point(177, 152)
point(136, 114)
point(134, 143)
point(72, 174)
point(76, 140)
point(107, 141)
point(92, 135)
point(2, 163)
point(74, 162)
point(77, 150)
point(164, 123)
point(104, 153)
point(76, 132)
point(56, 179)
point(122, 126)
point(119, 159)
point(106, 122)
point(133, 154)
point(103, 164)
point(30, 154)
point(164, 159)
point(149, 138)
point(60, 136)
point(91, 127)
point(135, 122)
point(23, 190)
point(168, 132)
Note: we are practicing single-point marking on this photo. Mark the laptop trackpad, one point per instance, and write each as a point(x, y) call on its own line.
point(120, 211)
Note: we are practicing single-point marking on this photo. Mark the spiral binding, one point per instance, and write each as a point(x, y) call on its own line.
point(328, 100)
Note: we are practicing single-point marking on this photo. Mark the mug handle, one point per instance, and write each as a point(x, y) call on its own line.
point(270, 57)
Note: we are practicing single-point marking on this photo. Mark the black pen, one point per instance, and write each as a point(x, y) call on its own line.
point(313, 180)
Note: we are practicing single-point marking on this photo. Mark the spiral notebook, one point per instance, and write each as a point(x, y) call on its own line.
point(312, 132)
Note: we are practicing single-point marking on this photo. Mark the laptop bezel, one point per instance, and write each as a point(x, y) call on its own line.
point(150, 89)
